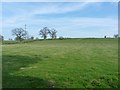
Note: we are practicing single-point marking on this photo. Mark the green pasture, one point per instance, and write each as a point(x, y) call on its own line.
point(69, 63)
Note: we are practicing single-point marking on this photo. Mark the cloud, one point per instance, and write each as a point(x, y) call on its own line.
point(60, 8)
point(75, 27)
point(65, 23)
point(66, 26)
point(19, 19)
point(28, 10)
point(96, 21)
point(26, 15)
point(60, 0)
point(31, 10)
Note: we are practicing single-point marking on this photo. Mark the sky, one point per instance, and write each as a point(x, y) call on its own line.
point(70, 19)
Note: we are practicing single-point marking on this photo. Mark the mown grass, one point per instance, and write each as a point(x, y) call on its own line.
point(70, 63)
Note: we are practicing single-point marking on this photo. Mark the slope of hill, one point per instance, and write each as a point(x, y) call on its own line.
point(70, 63)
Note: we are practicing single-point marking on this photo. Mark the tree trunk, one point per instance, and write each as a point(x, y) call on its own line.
point(45, 37)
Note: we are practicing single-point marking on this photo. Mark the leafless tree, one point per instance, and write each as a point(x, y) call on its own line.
point(116, 35)
point(53, 33)
point(1, 37)
point(19, 33)
point(105, 36)
point(44, 32)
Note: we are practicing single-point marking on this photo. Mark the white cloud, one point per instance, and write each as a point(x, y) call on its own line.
point(64, 22)
point(60, 0)
point(96, 21)
point(65, 25)
point(48, 8)
point(59, 8)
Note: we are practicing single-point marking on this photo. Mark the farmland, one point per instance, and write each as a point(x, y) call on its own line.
point(69, 63)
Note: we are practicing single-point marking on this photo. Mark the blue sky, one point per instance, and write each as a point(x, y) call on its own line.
point(70, 19)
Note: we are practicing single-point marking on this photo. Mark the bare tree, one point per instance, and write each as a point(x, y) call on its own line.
point(1, 37)
point(44, 32)
point(53, 33)
point(32, 38)
point(105, 36)
point(116, 35)
point(19, 33)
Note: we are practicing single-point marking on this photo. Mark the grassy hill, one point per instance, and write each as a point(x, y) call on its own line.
point(69, 63)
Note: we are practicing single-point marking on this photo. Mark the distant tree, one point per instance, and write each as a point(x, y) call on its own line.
point(44, 32)
point(1, 37)
point(116, 35)
point(32, 38)
point(53, 33)
point(19, 33)
point(37, 38)
point(10, 39)
point(61, 38)
point(105, 37)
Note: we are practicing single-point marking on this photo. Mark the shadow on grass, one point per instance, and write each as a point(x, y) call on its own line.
point(24, 82)
point(12, 63)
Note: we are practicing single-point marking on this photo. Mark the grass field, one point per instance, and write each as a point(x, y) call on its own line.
point(70, 63)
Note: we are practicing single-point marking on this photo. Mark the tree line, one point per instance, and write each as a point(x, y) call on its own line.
point(21, 34)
